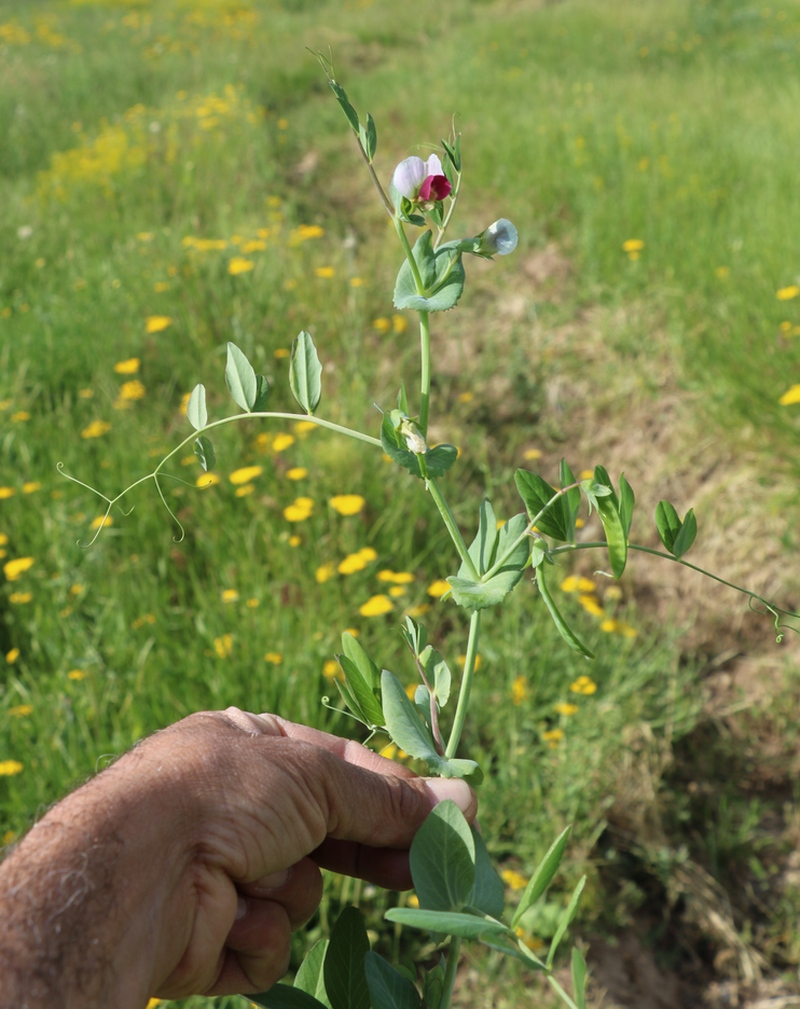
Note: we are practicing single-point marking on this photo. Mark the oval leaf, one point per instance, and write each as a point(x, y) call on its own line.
point(387, 986)
point(240, 378)
point(467, 926)
point(442, 859)
point(345, 976)
point(196, 408)
point(305, 372)
point(204, 451)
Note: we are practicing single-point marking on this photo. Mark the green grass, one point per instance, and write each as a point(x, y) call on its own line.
point(133, 130)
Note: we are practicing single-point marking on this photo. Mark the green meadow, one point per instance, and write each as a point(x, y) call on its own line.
point(174, 175)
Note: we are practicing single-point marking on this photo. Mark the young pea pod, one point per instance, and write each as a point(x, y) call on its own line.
point(563, 627)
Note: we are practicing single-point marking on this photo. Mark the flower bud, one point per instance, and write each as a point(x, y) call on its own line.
point(499, 239)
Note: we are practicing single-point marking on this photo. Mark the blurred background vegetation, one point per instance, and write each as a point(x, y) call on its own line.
point(175, 174)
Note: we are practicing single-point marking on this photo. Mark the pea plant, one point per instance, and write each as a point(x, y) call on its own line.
point(460, 895)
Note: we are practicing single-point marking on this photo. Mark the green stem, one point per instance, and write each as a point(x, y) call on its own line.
point(557, 987)
point(452, 527)
point(593, 545)
point(401, 233)
point(450, 974)
point(449, 214)
point(381, 192)
point(424, 371)
point(466, 685)
point(498, 564)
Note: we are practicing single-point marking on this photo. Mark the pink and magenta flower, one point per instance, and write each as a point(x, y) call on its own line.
point(422, 182)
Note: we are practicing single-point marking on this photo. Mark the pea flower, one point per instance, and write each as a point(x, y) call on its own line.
point(422, 182)
point(499, 238)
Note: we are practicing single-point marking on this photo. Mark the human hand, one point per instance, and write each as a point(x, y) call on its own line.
point(216, 827)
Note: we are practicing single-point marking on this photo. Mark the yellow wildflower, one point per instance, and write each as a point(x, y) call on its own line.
point(324, 573)
point(633, 245)
point(304, 427)
point(396, 577)
point(376, 606)
point(101, 520)
point(787, 293)
point(31, 486)
point(552, 737)
point(519, 690)
point(326, 272)
point(20, 417)
point(157, 323)
point(351, 564)
point(76, 674)
point(356, 282)
point(399, 323)
point(565, 709)
point(132, 390)
point(382, 325)
point(513, 879)
point(572, 583)
point(239, 265)
point(274, 657)
point(397, 590)
point(583, 685)
point(462, 661)
point(14, 568)
point(255, 245)
point(12, 656)
point(347, 504)
point(591, 604)
point(245, 474)
point(299, 510)
point(229, 596)
point(127, 367)
point(282, 441)
point(6, 492)
point(207, 480)
point(331, 670)
point(294, 541)
point(438, 588)
point(791, 396)
point(19, 598)
point(10, 767)
point(223, 646)
point(281, 353)
point(20, 710)
point(618, 627)
point(296, 473)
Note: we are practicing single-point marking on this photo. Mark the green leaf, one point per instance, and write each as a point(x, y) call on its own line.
point(354, 651)
point(240, 378)
point(572, 497)
point(414, 635)
point(437, 460)
point(353, 704)
point(442, 274)
point(367, 697)
point(578, 978)
point(433, 984)
point(387, 986)
point(488, 894)
point(262, 394)
point(515, 948)
point(305, 372)
point(562, 626)
point(437, 672)
point(442, 859)
point(467, 926)
point(543, 876)
point(370, 139)
point(283, 996)
point(537, 493)
point(456, 767)
point(566, 918)
point(402, 720)
point(347, 108)
point(687, 534)
point(204, 451)
point(489, 545)
point(310, 976)
point(608, 510)
point(345, 976)
point(627, 499)
point(667, 523)
point(196, 408)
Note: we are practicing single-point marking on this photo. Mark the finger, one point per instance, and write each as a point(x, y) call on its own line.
point(257, 950)
point(297, 889)
point(385, 867)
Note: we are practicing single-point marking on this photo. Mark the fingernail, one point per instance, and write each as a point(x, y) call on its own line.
point(272, 882)
point(451, 788)
point(241, 907)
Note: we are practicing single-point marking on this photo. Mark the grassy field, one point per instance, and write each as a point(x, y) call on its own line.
point(175, 175)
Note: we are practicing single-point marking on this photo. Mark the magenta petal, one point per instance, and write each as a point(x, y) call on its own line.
point(434, 188)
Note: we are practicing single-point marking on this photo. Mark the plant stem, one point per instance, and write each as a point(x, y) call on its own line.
point(557, 987)
point(771, 607)
point(455, 533)
point(450, 974)
point(466, 684)
point(401, 234)
point(424, 371)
